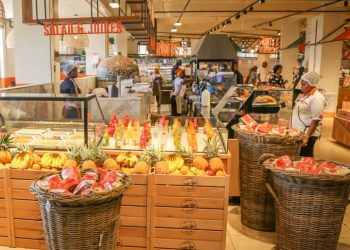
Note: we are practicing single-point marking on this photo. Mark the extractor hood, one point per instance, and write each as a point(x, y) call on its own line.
point(215, 47)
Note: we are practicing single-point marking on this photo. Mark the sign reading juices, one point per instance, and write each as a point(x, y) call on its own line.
point(78, 28)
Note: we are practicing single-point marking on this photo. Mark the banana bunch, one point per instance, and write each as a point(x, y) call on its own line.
point(23, 160)
point(53, 160)
point(127, 160)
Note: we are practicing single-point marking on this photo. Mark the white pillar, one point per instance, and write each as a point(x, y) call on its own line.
point(288, 57)
point(97, 47)
point(325, 58)
point(122, 40)
point(32, 54)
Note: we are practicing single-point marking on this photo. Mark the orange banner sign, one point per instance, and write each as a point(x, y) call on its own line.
point(78, 28)
point(167, 49)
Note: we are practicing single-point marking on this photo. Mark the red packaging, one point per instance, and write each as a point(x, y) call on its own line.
point(71, 173)
point(329, 166)
point(113, 177)
point(90, 176)
point(302, 166)
point(97, 188)
point(83, 186)
point(264, 128)
point(70, 184)
point(103, 174)
point(54, 181)
point(249, 121)
point(283, 162)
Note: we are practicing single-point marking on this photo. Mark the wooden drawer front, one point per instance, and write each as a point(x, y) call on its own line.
point(162, 243)
point(189, 202)
point(137, 190)
point(189, 224)
point(133, 232)
point(133, 211)
point(129, 200)
point(188, 234)
point(133, 221)
point(191, 181)
point(31, 244)
point(185, 191)
point(132, 242)
point(205, 214)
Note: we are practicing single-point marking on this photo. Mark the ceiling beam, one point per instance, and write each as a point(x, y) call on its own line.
point(251, 11)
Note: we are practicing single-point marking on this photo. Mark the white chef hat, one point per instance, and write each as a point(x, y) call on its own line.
point(312, 78)
point(69, 68)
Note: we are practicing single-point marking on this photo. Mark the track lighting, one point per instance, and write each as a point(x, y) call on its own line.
point(270, 24)
point(262, 1)
point(238, 16)
point(251, 8)
point(244, 11)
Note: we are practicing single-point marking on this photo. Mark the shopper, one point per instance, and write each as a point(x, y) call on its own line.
point(175, 68)
point(308, 111)
point(252, 76)
point(157, 84)
point(71, 110)
point(276, 78)
point(238, 74)
point(262, 73)
point(179, 80)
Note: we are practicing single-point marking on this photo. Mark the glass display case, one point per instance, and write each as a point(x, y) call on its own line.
point(47, 121)
point(169, 134)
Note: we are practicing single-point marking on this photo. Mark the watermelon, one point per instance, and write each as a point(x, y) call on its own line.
point(283, 162)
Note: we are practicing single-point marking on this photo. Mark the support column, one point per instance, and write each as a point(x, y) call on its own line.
point(288, 57)
point(122, 40)
point(325, 58)
point(33, 57)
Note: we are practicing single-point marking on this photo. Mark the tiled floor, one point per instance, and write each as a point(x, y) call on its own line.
point(240, 237)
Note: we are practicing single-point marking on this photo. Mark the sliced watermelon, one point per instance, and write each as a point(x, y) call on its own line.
point(302, 166)
point(283, 162)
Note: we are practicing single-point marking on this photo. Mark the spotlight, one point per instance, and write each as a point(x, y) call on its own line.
point(238, 16)
point(251, 8)
point(262, 1)
point(346, 3)
point(223, 24)
point(270, 24)
point(173, 30)
point(114, 5)
point(245, 12)
point(229, 21)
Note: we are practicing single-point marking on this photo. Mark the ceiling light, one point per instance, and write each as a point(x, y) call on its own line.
point(251, 8)
point(177, 24)
point(114, 5)
point(244, 12)
point(238, 16)
point(173, 30)
point(262, 1)
point(270, 24)
point(75, 37)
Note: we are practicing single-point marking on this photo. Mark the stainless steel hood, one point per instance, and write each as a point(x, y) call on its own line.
point(215, 47)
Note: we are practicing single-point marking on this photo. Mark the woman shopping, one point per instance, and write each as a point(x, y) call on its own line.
point(276, 78)
point(308, 111)
point(177, 85)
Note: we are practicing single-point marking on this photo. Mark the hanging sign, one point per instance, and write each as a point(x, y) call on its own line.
point(79, 28)
point(170, 49)
point(269, 45)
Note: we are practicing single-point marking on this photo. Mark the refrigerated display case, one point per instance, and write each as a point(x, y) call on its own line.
point(38, 120)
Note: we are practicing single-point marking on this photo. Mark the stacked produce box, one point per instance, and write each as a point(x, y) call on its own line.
point(4, 226)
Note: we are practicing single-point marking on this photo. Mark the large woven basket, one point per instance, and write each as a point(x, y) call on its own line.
point(81, 222)
point(257, 207)
point(310, 209)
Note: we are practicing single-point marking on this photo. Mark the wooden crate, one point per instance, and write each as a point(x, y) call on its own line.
point(188, 212)
point(133, 232)
point(5, 225)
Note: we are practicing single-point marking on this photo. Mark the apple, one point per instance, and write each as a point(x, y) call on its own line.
point(211, 173)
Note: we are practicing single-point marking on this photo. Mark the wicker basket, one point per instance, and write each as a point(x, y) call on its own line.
point(310, 209)
point(81, 222)
point(257, 207)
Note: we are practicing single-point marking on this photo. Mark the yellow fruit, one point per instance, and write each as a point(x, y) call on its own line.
point(88, 165)
point(127, 160)
point(2, 166)
point(7, 165)
point(141, 168)
point(128, 170)
point(216, 164)
point(220, 173)
point(23, 160)
point(201, 173)
point(194, 170)
point(36, 166)
point(70, 164)
point(184, 170)
point(174, 162)
point(37, 158)
point(200, 163)
point(176, 172)
point(53, 160)
point(162, 168)
point(111, 164)
point(5, 157)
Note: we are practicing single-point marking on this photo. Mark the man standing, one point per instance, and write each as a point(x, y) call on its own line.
point(175, 68)
point(262, 73)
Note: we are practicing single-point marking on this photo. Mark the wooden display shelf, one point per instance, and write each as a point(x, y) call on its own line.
point(341, 131)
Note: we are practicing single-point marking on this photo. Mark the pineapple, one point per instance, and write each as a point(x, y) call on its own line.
point(74, 158)
point(212, 148)
point(142, 166)
point(5, 144)
point(86, 155)
point(97, 154)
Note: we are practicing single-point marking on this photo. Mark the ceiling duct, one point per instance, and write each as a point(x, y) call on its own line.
point(215, 47)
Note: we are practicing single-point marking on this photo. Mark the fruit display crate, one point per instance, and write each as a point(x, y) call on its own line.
point(133, 231)
point(188, 212)
point(5, 239)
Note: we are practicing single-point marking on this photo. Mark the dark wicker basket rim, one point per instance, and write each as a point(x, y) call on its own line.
point(92, 198)
point(298, 176)
point(268, 138)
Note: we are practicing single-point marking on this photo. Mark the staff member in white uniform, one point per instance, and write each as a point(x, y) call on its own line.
point(308, 112)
